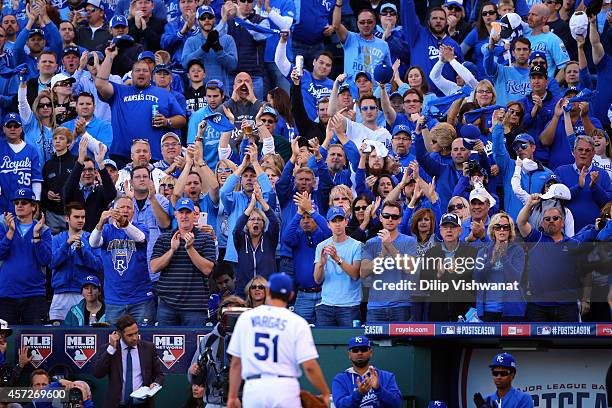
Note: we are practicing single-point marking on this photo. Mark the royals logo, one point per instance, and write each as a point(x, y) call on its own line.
point(121, 251)
point(80, 348)
point(40, 347)
point(170, 348)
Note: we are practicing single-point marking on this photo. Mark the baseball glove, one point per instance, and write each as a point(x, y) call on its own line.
point(310, 401)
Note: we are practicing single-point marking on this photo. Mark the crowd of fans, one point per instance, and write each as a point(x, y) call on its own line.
point(157, 157)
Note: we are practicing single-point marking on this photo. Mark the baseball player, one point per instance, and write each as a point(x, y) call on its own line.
point(268, 345)
point(503, 369)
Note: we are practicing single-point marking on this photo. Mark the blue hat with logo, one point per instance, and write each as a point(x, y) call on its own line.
point(91, 280)
point(146, 54)
point(399, 129)
point(24, 194)
point(280, 283)
point(503, 360)
point(36, 31)
point(343, 87)
point(184, 204)
point(100, 55)
point(571, 89)
point(162, 68)
point(335, 212)
point(388, 6)
point(453, 3)
point(537, 54)
point(12, 117)
point(362, 73)
point(204, 10)
point(436, 404)
point(215, 84)
point(268, 110)
point(524, 138)
point(359, 341)
point(470, 132)
point(118, 20)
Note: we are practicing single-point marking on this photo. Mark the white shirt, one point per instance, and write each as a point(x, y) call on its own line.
point(136, 372)
point(358, 132)
point(272, 340)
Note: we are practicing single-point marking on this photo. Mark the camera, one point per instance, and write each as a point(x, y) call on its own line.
point(474, 167)
point(229, 317)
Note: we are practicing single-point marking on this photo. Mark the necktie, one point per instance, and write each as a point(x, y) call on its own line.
point(127, 388)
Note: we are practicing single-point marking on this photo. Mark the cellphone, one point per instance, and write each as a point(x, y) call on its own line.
point(203, 218)
point(414, 117)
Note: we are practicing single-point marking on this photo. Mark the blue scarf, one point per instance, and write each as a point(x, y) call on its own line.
point(438, 107)
point(471, 116)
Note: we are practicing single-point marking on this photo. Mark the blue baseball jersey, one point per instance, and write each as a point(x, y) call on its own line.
point(131, 109)
point(126, 274)
point(551, 44)
point(17, 170)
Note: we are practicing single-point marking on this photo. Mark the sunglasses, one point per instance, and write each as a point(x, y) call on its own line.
point(554, 218)
point(454, 207)
point(21, 202)
point(45, 105)
point(139, 141)
point(488, 13)
point(63, 84)
point(500, 373)
point(246, 1)
point(13, 126)
point(208, 16)
point(389, 14)
point(225, 170)
point(368, 108)
point(170, 186)
point(412, 101)
point(268, 121)
point(520, 146)
point(501, 227)
point(366, 22)
point(455, 9)
point(361, 208)
point(515, 112)
point(257, 287)
point(360, 349)
point(394, 217)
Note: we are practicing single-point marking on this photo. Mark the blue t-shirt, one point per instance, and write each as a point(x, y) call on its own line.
point(363, 55)
point(131, 109)
point(211, 136)
point(126, 274)
point(17, 170)
point(338, 288)
point(551, 44)
point(378, 297)
point(313, 90)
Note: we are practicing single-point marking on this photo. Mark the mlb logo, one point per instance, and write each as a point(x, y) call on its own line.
point(543, 331)
point(170, 348)
point(447, 330)
point(80, 348)
point(40, 347)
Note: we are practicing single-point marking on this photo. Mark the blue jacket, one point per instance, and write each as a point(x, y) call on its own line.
point(535, 126)
point(586, 201)
point(509, 269)
point(76, 315)
point(303, 247)
point(513, 399)
point(530, 182)
point(71, 266)
point(8, 85)
point(22, 261)
point(173, 41)
point(53, 41)
point(255, 261)
point(236, 202)
point(345, 394)
point(218, 64)
point(99, 129)
point(447, 176)
point(463, 189)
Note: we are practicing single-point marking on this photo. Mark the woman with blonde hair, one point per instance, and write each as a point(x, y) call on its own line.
point(341, 196)
point(166, 186)
point(460, 207)
point(38, 121)
point(502, 261)
point(255, 291)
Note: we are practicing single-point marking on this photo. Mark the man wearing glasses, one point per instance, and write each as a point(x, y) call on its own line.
point(95, 33)
point(386, 304)
point(363, 385)
point(503, 370)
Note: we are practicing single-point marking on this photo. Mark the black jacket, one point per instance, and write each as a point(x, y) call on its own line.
point(99, 199)
point(306, 127)
point(150, 37)
point(125, 58)
point(55, 175)
point(85, 39)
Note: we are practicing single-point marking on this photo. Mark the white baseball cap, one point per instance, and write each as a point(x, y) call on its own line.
point(579, 24)
point(481, 195)
point(559, 191)
point(61, 77)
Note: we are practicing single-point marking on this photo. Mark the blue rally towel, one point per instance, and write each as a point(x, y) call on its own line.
point(471, 116)
point(254, 27)
point(9, 72)
point(438, 107)
point(583, 96)
point(219, 122)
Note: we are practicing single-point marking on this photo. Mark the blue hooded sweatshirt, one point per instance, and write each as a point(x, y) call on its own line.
point(71, 266)
point(346, 395)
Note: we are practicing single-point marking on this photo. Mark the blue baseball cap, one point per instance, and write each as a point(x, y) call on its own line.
point(383, 73)
point(359, 341)
point(388, 5)
point(503, 360)
point(215, 84)
point(146, 54)
point(268, 110)
point(524, 138)
point(453, 3)
point(110, 162)
point(118, 20)
point(91, 280)
point(24, 194)
point(436, 404)
point(571, 89)
point(71, 50)
point(537, 54)
point(100, 55)
point(162, 67)
point(399, 129)
point(280, 283)
point(469, 131)
point(335, 212)
point(36, 31)
point(367, 75)
point(12, 117)
point(184, 204)
point(343, 87)
point(204, 10)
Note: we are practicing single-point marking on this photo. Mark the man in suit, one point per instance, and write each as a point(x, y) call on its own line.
point(129, 364)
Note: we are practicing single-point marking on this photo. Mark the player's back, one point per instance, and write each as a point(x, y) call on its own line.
point(272, 340)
